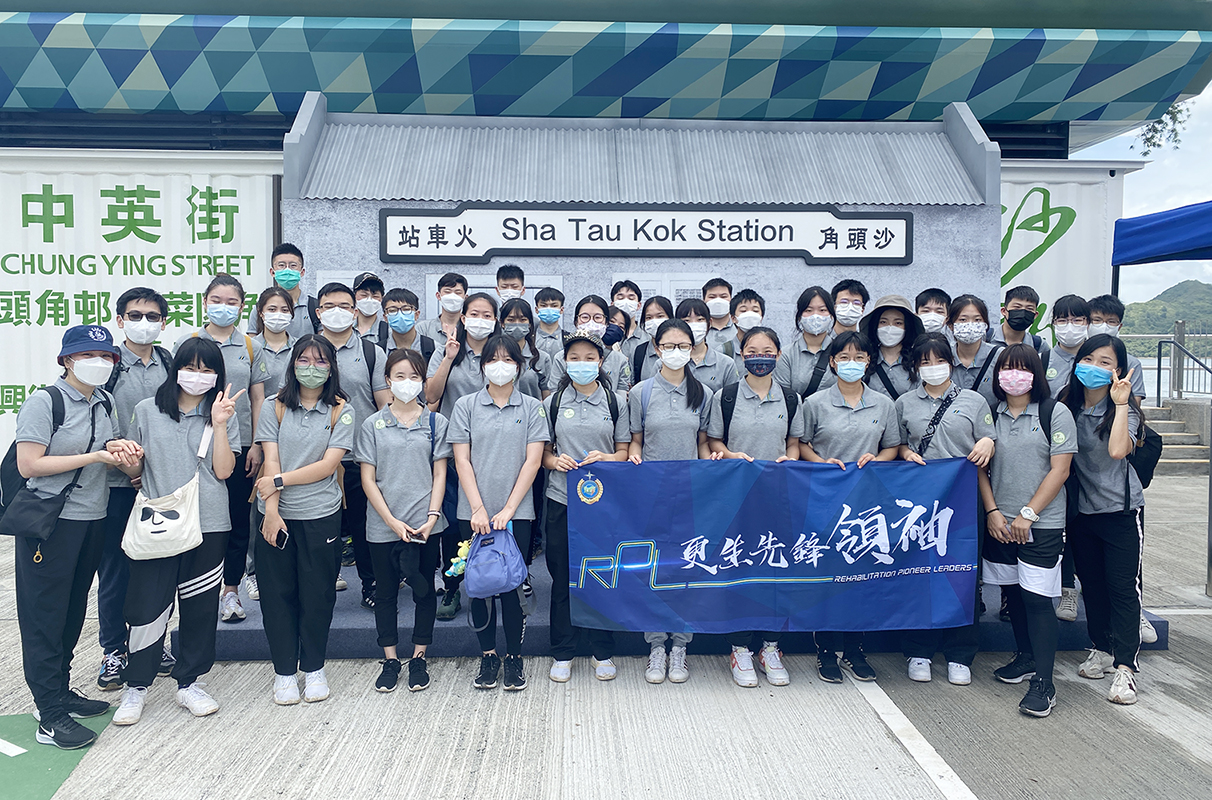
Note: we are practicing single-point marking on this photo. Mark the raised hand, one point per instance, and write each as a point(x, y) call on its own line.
point(224, 407)
point(1121, 388)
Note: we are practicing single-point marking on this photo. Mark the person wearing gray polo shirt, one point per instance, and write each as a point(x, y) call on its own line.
point(804, 364)
point(626, 296)
point(717, 295)
point(275, 338)
point(848, 423)
point(1036, 440)
point(968, 319)
point(941, 420)
point(497, 435)
point(893, 327)
point(590, 316)
point(1107, 532)
point(668, 418)
point(287, 270)
point(517, 321)
point(400, 308)
point(452, 291)
point(306, 432)
point(549, 308)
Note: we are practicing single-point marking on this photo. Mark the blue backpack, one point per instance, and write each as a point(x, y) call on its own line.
point(494, 564)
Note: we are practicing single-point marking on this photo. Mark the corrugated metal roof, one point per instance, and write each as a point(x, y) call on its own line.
point(552, 162)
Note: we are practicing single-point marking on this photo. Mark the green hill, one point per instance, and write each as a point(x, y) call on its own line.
point(1190, 301)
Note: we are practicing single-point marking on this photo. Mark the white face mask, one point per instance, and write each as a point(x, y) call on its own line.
point(370, 306)
point(628, 307)
point(479, 329)
point(1093, 330)
point(277, 321)
point(650, 326)
point(196, 383)
point(675, 359)
point(849, 314)
point(718, 307)
point(890, 335)
point(337, 319)
point(1070, 334)
point(405, 390)
point(93, 371)
point(748, 319)
point(932, 321)
point(142, 332)
point(969, 332)
point(699, 329)
point(596, 328)
point(815, 324)
point(935, 374)
point(508, 294)
point(500, 373)
point(451, 303)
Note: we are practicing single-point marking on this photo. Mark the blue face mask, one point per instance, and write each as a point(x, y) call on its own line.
point(613, 335)
point(760, 366)
point(851, 371)
point(223, 315)
point(583, 372)
point(548, 315)
point(1092, 377)
point(402, 321)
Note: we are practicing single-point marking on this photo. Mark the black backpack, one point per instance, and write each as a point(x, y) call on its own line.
point(728, 404)
point(611, 401)
point(166, 359)
point(1146, 454)
point(427, 344)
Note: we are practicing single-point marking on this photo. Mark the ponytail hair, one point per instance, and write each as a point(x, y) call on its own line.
point(694, 389)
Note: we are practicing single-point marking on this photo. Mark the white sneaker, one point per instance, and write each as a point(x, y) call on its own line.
point(195, 698)
point(770, 661)
point(656, 665)
point(251, 587)
point(1096, 665)
point(131, 708)
point(342, 584)
point(561, 671)
point(286, 690)
point(315, 686)
point(742, 668)
point(959, 674)
point(919, 670)
point(230, 609)
point(1148, 634)
point(602, 670)
point(1066, 611)
point(677, 665)
point(1123, 687)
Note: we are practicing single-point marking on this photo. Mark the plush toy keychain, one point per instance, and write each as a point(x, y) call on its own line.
point(459, 563)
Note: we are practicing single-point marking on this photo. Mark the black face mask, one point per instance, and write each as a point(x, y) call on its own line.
point(614, 334)
point(1020, 319)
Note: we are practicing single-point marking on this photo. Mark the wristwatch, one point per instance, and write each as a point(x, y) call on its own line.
point(279, 485)
point(1028, 513)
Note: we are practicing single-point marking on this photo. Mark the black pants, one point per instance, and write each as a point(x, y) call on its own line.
point(353, 525)
point(298, 591)
point(192, 579)
point(113, 572)
point(848, 643)
point(1036, 630)
point(563, 635)
point(239, 490)
point(484, 611)
point(958, 645)
point(1067, 570)
point(416, 564)
point(453, 533)
point(1107, 553)
point(52, 595)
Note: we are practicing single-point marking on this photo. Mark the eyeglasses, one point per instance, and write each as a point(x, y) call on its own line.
point(591, 318)
point(394, 309)
point(138, 316)
point(331, 306)
point(669, 348)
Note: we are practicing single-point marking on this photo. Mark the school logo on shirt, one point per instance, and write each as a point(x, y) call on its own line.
point(542, 412)
point(380, 424)
point(589, 489)
point(347, 419)
point(988, 419)
point(569, 413)
point(1051, 373)
point(1059, 437)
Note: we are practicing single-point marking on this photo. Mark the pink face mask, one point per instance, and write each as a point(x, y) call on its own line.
point(1016, 382)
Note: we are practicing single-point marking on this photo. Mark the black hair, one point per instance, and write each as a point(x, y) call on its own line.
point(852, 286)
point(693, 305)
point(1022, 356)
point(141, 293)
point(1074, 394)
point(519, 304)
point(639, 296)
point(930, 344)
point(406, 354)
point(931, 296)
point(912, 326)
point(330, 392)
point(694, 389)
point(806, 298)
point(452, 279)
point(498, 342)
point(962, 302)
point(549, 295)
point(286, 249)
point(715, 283)
point(613, 311)
point(1108, 304)
point(511, 272)
point(663, 302)
point(1024, 293)
point(193, 349)
point(760, 331)
point(848, 338)
point(602, 378)
point(743, 296)
point(223, 279)
point(335, 288)
point(461, 331)
point(1070, 306)
point(591, 299)
point(403, 296)
point(265, 297)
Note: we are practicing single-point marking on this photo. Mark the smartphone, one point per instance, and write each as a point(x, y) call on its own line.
point(280, 542)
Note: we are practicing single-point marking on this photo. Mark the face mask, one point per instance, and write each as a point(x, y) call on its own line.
point(405, 390)
point(500, 373)
point(718, 307)
point(1015, 382)
point(402, 321)
point(277, 321)
point(369, 306)
point(1070, 334)
point(337, 319)
point(815, 324)
point(598, 329)
point(288, 278)
point(760, 366)
point(508, 294)
point(935, 374)
point(650, 326)
point(851, 371)
point(1020, 319)
point(969, 332)
point(479, 329)
point(223, 315)
point(1091, 377)
point(890, 335)
point(582, 372)
point(932, 321)
point(612, 335)
point(311, 377)
point(196, 383)
point(517, 330)
point(548, 315)
point(628, 307)
point(142, 332)
point(699, 329)
point(93, 371)
point(1093, 330)
point(451, 303)
point(849, 314)
point(675, 359)
point(748, 319)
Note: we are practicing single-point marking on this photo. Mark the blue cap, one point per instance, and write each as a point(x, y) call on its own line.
point(83, 338)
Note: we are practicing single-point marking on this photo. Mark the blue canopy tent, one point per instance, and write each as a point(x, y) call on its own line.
point(1179, 234)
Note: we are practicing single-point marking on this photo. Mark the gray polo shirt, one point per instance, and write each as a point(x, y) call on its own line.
point(965, 377)
point(966, 422)
point(535, 381)
point(465, 378)
point(1101, 476)
point(433, 329)
point(759, 424)
point(628, 345)
point(136, 382)
point(550, 343)
point(373, 332)
point(416, 341)
point(671, 430)
point(170, 459)
point(583, 424)
point(498, 439)
point(89, 499)
point(303, 438)
point(1024, 458)
point(1059, 368)
point(835, 430)
point(898, 376)
point(301, 325)
point(241, 373)
point(999, 337)
point(357, 381)
point(795, 366)
point(716, 337)
point(715, 371)
point(276, 362)
point(403, 460)
point(616, 366)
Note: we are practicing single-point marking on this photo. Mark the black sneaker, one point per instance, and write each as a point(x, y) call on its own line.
point(1003, 613)
point(167, 662)
point(449, 607)
point(856, 664)
point(390, 675)
point(110, 676)
point(490, 667)
point(368, 601)
point(418, 674)
point(1021, 667)
point(827, 668)
point(1040, 698)
point(515, 674)
point(347, 554)
point(81, 707)
point(62, 731)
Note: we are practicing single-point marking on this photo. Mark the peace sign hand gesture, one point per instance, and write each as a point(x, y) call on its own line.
point(1121, 388)
point(224, 407)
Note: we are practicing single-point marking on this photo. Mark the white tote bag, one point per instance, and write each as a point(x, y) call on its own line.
point(162, 527)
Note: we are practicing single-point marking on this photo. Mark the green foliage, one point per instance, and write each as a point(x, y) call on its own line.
point(1190, 301)
point(1165, 131)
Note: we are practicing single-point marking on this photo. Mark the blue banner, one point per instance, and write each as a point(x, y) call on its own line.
point(723, 546)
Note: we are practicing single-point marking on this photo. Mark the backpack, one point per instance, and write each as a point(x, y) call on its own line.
point(879, 372)
point(1146, 454)
point(494, 564)
point(313, 314)
point(165, 357)
point(611, 400)
point(728, 397)
point(637, 362)
point(818, 373)
point(368, 353)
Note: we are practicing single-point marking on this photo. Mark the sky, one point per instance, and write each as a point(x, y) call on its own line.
point(1175, 177)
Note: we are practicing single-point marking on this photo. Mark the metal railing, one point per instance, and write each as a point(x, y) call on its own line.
point(1180, 377)
point(1178, 367)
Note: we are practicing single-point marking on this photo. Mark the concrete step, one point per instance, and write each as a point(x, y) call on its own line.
point(1153, 413)
point(1185, 452)
point(1167, 426)
point(1182, 466)
point(1178, 438)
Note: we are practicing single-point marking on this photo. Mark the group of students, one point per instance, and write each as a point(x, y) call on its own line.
point(344, 417)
